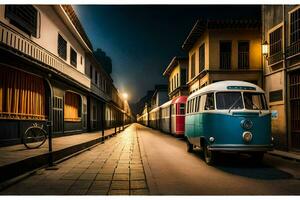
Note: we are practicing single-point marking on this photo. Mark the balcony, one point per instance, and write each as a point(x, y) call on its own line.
point(293, 50)
point(275, 58)
point(96, 90)
point(23, 45)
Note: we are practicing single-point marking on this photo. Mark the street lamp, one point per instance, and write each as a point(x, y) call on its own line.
point(125, 96)
point(265, 49)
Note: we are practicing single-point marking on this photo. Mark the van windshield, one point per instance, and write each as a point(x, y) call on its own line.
point(255, 101)
point(229, 100)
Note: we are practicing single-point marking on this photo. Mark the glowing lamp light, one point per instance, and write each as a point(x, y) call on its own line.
point(265, 48)
point(125, 96)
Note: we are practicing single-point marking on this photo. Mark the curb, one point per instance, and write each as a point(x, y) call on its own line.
point(13, 170)
point(153, 190)
point(285, 155)
point(42, 161)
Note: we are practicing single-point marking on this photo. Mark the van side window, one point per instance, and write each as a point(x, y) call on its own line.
point(202, 102)
point(181, 109)
point(198, 104)
point(193, 105)
point(210, 103)
point(173, 109)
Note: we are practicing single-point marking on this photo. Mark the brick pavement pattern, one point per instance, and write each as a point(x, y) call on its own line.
point(14, 153)
point(112, 168)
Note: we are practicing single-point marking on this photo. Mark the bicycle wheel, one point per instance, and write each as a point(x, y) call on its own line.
point(34, 137)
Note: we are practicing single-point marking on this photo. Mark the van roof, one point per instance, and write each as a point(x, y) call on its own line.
point(228, 86)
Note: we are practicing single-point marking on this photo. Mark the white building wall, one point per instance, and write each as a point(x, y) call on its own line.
point(50, 24)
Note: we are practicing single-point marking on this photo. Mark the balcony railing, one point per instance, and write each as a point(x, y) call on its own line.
point(293, 50)
point(275, 58)
point(25, 46)
point(95, 89)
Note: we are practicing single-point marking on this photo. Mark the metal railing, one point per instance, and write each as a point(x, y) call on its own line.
point(25, 46)
point(275, 58)
point(95, 89)
point(293, 50)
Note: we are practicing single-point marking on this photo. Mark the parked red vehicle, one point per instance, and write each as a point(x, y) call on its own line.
point(169, 117)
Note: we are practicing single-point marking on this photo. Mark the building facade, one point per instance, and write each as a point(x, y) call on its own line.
point(43, 73)
point(160, 96)
point(223, 50)
point(177, 76)
point(281, 35)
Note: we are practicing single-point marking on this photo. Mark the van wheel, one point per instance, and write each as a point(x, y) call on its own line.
point(209, 156)
point(190, 147)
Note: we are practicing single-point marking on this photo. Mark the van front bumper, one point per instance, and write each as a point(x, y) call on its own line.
point(234, 147)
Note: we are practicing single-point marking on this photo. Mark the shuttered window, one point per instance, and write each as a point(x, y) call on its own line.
point(62, 47)
point(275, 41)
point(193, 66)
point(225, 55)
point(295, 26)
point(24, 17)
point(73, 57)
point(201, 57)
point(243, 55)
point(22, 95)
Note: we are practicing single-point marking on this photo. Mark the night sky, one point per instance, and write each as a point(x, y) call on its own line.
point(142, 40)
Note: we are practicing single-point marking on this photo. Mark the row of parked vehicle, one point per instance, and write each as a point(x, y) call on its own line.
point(230, 116)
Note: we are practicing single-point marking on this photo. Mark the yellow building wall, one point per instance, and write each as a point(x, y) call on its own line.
point(274, 82)
point(172, 77)
point(253, 36)
point(203, 39)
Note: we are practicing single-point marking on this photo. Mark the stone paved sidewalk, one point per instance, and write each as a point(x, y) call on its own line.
point(112, 168)
point(15, 153)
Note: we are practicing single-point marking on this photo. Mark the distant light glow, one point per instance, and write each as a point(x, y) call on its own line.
point(125, 96)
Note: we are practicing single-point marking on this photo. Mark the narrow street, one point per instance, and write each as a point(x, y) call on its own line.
point(141, 161)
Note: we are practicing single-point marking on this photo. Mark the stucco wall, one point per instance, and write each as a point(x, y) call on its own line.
point(50, 25)
point(253, 36)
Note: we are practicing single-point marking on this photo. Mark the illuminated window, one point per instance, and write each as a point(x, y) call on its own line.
point(22, 95)
point(72, 107)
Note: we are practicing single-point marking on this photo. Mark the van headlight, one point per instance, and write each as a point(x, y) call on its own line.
point(246, 124)
point(247, 136)
point(211, 139)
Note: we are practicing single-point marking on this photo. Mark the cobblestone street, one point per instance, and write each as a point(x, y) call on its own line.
point(114, 168)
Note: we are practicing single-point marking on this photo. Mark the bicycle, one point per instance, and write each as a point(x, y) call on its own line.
point(34, 136)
